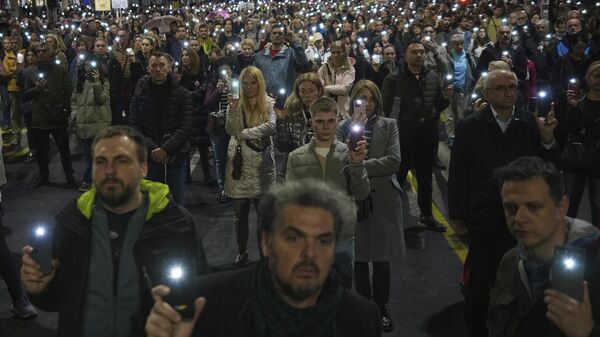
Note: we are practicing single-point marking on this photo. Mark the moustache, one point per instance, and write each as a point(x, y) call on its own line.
point(308, 265)
point(111, 180)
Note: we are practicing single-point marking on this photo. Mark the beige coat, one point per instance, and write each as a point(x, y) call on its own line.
point(258, 169)
point(338, 84)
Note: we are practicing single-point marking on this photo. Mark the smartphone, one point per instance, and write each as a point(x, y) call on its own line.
point(568, 269)
point(20, 58)
point(180, 277)
point(574, 85)
point(357, 131)
point(41, 241)
point(543, 103)
point(376, 59)
point(360, 110)
point(447, 80)
point(235, 89)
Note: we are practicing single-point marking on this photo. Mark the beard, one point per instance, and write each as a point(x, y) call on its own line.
point(115, 196)
point(297, 292)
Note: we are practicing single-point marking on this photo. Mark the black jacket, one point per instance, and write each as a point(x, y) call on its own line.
point(226, 311)
point(427, 96)
point(494, 52)
point(479, 148)
point(167, 125)
point(196, 85)
point(72, 236)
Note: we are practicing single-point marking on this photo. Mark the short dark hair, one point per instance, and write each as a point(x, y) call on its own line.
point(124, 131)
point(159, 54)
point(526, 168)
point(307, 193)
point(411, 42)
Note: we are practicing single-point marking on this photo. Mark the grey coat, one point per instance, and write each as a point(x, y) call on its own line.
point(381, 236)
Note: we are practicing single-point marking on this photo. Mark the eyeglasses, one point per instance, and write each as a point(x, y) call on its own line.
point(503, 88)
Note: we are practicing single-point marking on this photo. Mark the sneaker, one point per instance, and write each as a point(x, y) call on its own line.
point(222, 196)
point(84, 187)
point(387, 325)
point(241, 259)
point(22, 308)
point(431, 224)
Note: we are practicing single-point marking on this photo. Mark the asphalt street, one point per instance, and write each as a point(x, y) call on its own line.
point(425, 293)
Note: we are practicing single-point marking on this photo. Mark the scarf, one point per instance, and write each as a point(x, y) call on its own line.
point(275, 318)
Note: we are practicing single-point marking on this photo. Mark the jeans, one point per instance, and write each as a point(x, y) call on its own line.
point(8, 270)
point(344, 260)
point(220, 142)
point(175, 178)
point(87, 152)
point(575, 184)
point(241, 208)
point(61, 138)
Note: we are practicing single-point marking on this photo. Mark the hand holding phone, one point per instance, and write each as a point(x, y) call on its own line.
point(357, 131)
point(568, 270)
point(235, 89)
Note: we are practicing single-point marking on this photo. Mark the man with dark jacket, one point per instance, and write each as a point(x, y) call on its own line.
point(525, 301)
point(162, 110)
point(293, 290)
point(50, 96)
point(106, 240)
point(414, 97)
point(504, 50)
point(485, 141)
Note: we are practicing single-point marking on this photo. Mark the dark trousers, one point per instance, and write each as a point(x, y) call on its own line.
point(241, 208)
point(87, 152)
point(8, 270)
point(175, 178)
point(417, 150)
point(485, 252)
point(30, 135)
point(61, 139)
point(378, 289)
point(575, 185)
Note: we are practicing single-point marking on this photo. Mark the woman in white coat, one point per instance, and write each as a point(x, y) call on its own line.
point(250, 123)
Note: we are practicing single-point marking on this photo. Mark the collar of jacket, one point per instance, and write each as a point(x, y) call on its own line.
point(403, 69)
point(267, 50)
point(157, 198)
point(486, 115)
point(171, 81)
point(313, 145)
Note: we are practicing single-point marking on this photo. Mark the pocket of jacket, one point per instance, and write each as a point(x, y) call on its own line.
point(500, 312)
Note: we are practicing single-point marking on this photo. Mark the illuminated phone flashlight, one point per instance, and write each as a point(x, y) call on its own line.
point(282, 92)
point(176, 273)
point(57, 62)
point(505, 53)
point(569, 263)
point(449, 77)
point(186, 44)
point(484, 74)
point(476, 29)
point(514, 33)
point(597, 4)
point(427, 38)
point(504, 20)
point(81, 56)
point(573, 81)
point(542, 94)
point(356, 128)
point(40, 232)
point(93, 64)
point(117, 39)
point(129, 51)
point(444, 44)
point(473, 95)
point(224, 73)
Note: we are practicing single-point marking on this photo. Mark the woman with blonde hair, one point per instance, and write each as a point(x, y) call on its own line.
point(379, 236)
point(59, 49)
point(250, 123)
point(337, 76)
point(293, 123)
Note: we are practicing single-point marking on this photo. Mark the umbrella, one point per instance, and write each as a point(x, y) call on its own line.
point(219, 12)
point(161, 22)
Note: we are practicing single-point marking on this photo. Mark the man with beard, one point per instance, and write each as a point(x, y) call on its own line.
point(292, 291)
point(96, 281)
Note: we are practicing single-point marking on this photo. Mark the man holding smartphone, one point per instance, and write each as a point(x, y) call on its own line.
point(529, 298)
point(101, 240)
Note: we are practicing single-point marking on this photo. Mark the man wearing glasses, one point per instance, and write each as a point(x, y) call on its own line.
point(485, 141)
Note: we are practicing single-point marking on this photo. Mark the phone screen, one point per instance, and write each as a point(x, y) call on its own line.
point(235, 89)
point(357, 132)
point(568, 270)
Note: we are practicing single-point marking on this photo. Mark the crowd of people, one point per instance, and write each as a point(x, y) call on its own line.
point(356, 94)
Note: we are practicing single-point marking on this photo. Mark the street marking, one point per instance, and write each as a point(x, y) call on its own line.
point(455, 244)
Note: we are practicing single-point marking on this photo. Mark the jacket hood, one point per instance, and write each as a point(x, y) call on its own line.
point(582, 234)
point(157, 198)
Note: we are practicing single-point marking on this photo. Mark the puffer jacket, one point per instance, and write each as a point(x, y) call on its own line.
point(339, 172)
point(91, 108)
point(169, 129)
point(337, 83)
point(50, 107)
point(258, 168)
point(293, 131)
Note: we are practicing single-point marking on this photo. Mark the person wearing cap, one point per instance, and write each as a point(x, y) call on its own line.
point(315, 50)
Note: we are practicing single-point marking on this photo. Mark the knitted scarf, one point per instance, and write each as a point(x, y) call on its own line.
point(275, 318)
